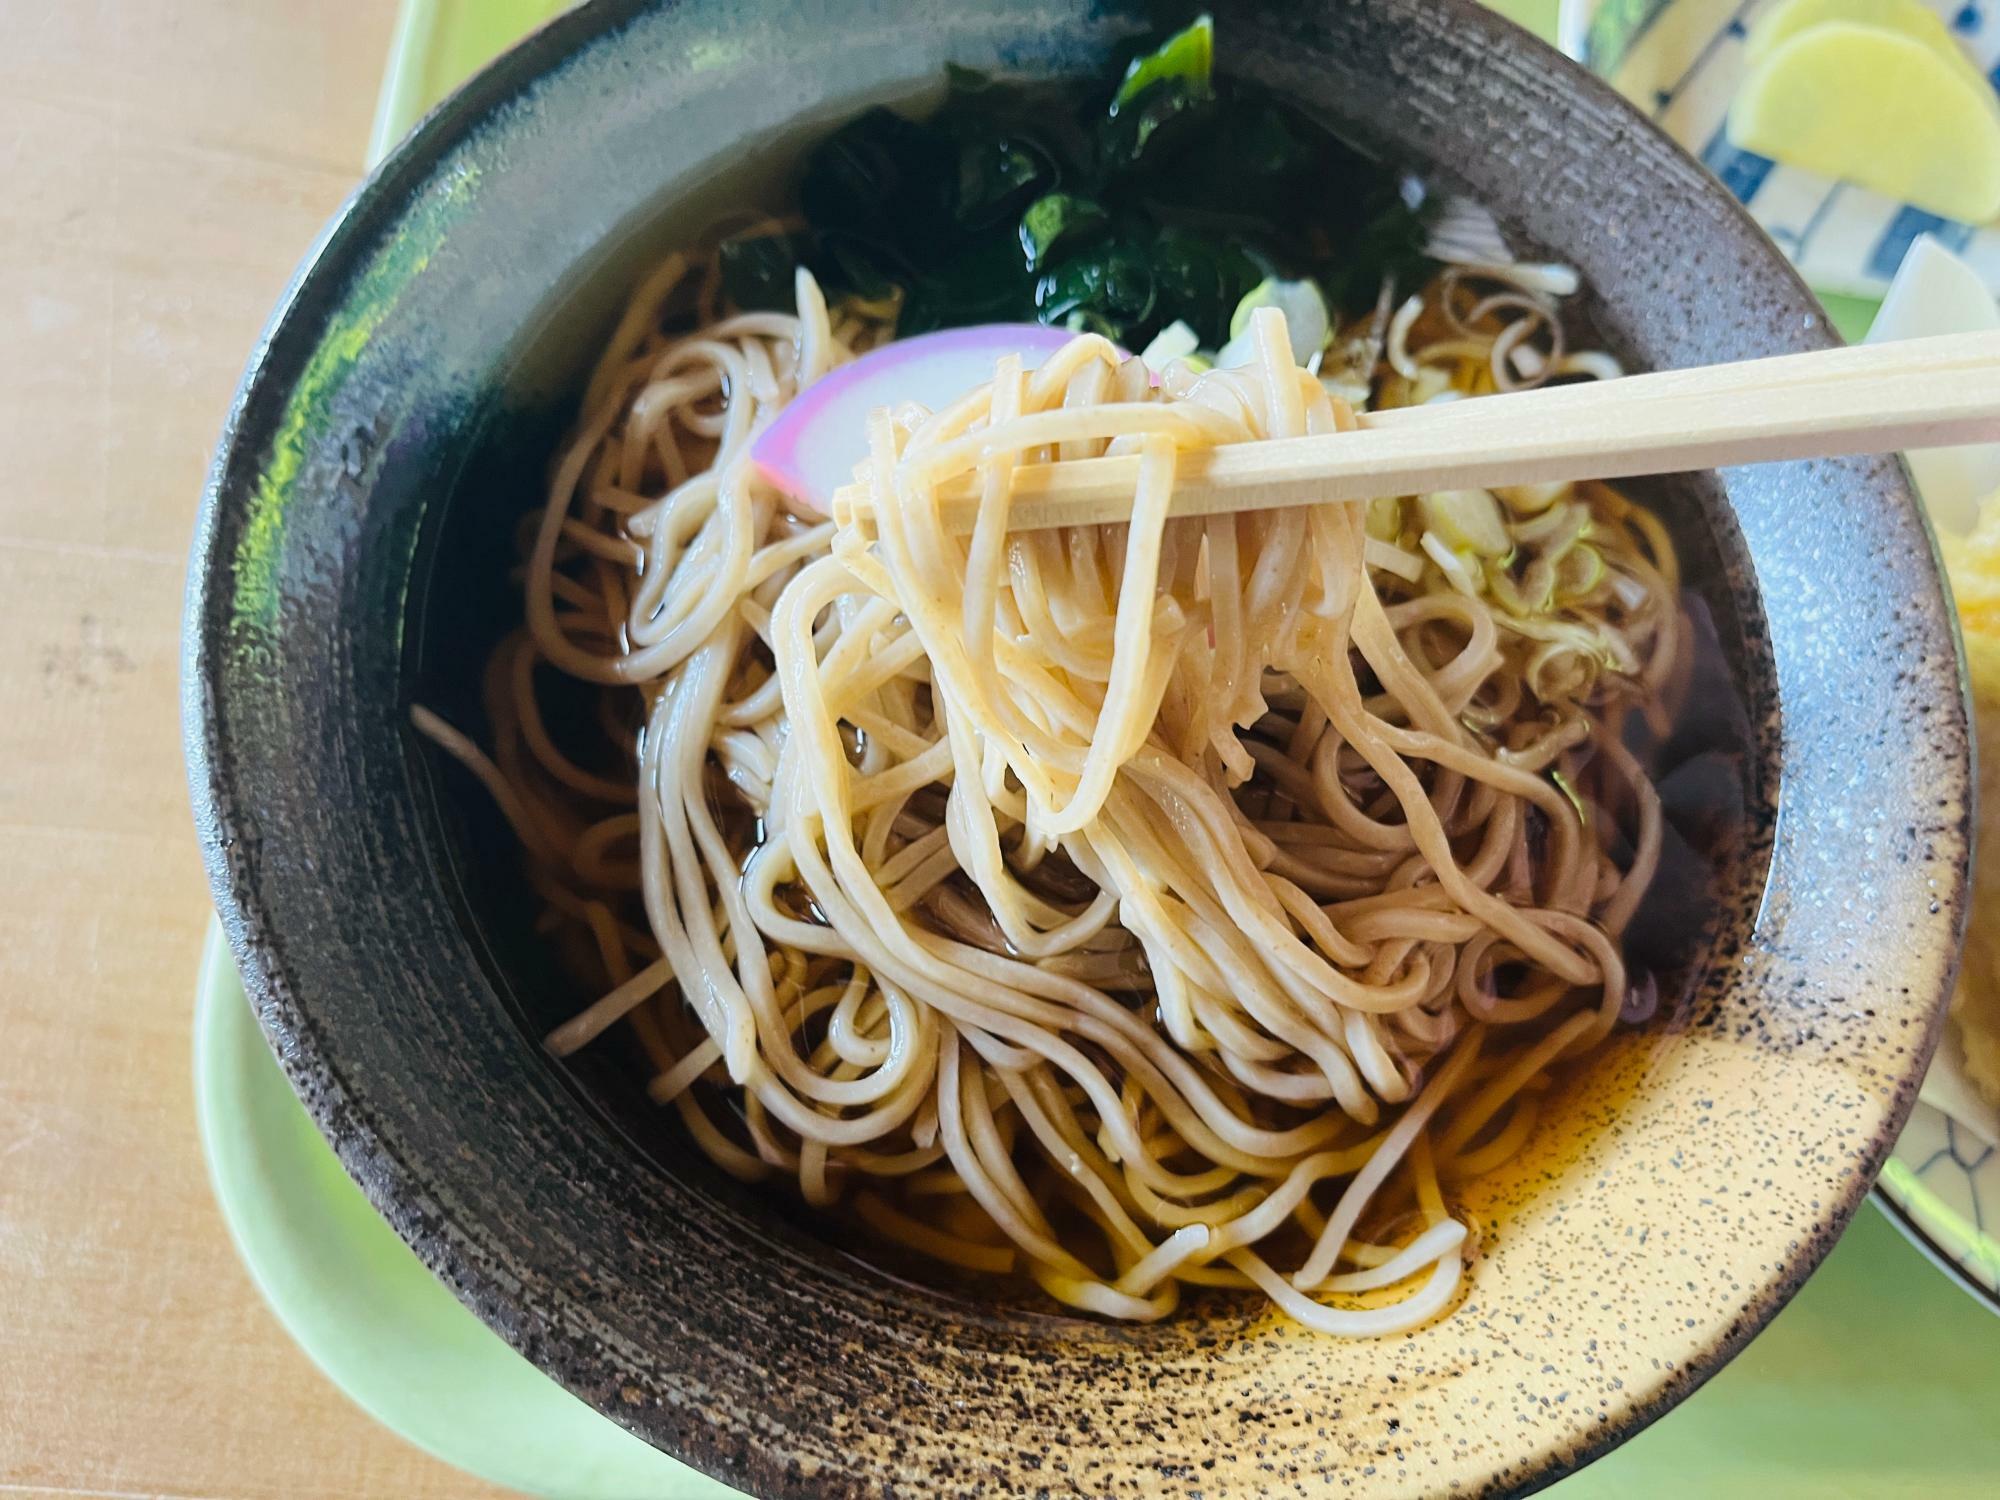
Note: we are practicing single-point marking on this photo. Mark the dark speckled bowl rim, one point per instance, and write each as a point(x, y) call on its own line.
point(393, 1184)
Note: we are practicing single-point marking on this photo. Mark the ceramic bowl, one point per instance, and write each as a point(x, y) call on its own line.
point(350, 560)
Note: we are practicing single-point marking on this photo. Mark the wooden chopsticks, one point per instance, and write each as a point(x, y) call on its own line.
point(1878, 398)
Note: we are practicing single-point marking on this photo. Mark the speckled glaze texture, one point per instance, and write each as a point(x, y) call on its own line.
point(1672, 1202)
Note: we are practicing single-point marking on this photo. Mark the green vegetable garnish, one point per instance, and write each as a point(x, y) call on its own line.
point(1147, 134)
point(1059, 219)
point(850, 268)
point(1112, 285)
point(1119, 209)
point(1200, 280)
point(883, 179)
point(996, 174)
point(1187, 56)
point(985, 285)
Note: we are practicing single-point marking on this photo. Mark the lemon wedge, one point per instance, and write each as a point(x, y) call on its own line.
point(1910, 18)
point(1878, 108)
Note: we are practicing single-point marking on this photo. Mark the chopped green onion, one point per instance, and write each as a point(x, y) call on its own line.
point(1531, 499)
point(1175, 341)
point(1308, 325)
point(1580, 570)
point(1385, 518)
point(1556, 529)
point(1450, 564)
point(1467, 521)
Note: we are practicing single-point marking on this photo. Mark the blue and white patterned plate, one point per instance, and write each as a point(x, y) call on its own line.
point(1681, 60)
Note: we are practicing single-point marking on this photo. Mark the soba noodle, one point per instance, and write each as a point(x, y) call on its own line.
point(1172, 903)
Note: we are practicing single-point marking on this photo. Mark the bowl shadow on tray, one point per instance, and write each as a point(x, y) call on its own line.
point(464, 599)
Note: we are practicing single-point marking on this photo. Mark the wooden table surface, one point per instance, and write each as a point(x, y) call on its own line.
point(162, 169)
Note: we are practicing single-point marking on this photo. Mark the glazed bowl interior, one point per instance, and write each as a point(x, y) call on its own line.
point(353, 559)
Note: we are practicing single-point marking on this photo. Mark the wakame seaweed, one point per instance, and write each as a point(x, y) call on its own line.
point(1117, 209)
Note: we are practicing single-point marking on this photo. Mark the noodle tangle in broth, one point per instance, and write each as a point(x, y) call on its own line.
point(1176, 903)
